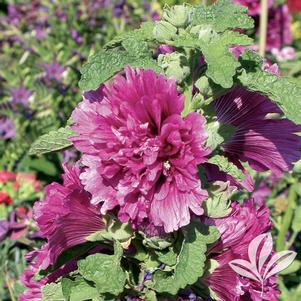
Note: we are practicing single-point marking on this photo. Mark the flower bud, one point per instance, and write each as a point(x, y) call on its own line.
point(175, 65)
point(178, 15)
point(164, 31)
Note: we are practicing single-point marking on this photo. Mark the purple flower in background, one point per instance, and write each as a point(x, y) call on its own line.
point(4, 228)
point(14, 14)
point(279, 31)
point(7, 128)
point(140, 153)
point(118, 8)
point(40, 33)
point(252, 5)
point(20, 96)
point(75, 36)
point(53, 71)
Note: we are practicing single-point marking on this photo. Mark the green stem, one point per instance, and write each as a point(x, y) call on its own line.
point(292, 240)
point(287, 219)
point(263, 27)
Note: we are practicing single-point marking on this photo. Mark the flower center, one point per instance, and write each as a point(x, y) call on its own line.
point(166, 165)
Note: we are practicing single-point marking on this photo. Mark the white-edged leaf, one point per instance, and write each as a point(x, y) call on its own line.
point(279, 262)
point(244, 268)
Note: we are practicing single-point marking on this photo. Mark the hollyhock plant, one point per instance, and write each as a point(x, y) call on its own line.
point(153, 135)
point(149, 166)
point(66, 216)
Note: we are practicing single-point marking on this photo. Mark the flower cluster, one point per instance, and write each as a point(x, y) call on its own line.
point(164, 140)
point(140, 162)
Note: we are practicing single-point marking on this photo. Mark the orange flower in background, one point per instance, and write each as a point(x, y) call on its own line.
point(294, 6)
point(5, 198)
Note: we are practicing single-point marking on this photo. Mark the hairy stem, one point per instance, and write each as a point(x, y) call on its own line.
point(287, 219)
point(263, 27)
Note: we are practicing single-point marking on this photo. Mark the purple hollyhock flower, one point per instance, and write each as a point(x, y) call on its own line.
point(7, 128)
point(265, 143)
point(53, 71)
point(279, 27)
point(20, 96)
point(237, 231)
point(66, 216)
point(139, 153)
point(253, 5)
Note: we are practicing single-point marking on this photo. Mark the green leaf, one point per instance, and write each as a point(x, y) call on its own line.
point(115, 230)
point(223, 15)
point(218, 203)
point(218, 133)
point(105, 64)
point(191, 260)
point(294, 267)
point(296, 223)
point(281, 90)
point(228, 167)
point(221, 64)
point(78, 290)
point(168, 257)
point(105, 271)
point(41, 164)
point(144, 33)
point(53, 141)
point(52, 292)
point(175, 65)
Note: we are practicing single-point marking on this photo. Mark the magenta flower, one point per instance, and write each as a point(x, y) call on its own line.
point(252, 5)
point(237, 231)
point(139, 153)
point(279, 30)
point(66, 216)
point(265, 143)
point(284, 54)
